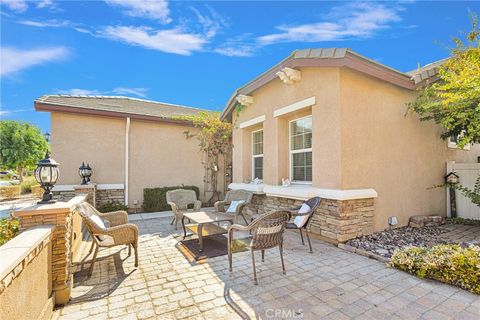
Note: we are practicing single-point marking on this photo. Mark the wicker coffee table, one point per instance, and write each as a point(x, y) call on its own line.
point(205, 224)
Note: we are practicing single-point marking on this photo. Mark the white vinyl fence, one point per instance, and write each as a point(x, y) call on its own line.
point(468, 173)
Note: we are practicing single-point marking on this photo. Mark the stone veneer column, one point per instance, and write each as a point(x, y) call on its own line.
point(60, 215)
point(88, 189)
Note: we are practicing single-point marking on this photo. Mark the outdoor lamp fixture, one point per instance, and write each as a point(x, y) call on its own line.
point(451, 180)
point(46, 175)
point(47, 136)
point(85, 173)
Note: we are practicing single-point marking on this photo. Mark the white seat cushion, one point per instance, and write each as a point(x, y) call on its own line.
point(301, 220)
point(233, 206)
point(99, 223)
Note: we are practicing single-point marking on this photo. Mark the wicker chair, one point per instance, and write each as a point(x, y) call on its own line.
point(313, 204)
point(235, 195)
point(179, 200)
point(119, 231)
point(267, 233)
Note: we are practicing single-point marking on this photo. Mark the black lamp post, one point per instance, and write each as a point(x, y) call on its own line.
point(452, 179)
point(85, 173)
point(46, 175)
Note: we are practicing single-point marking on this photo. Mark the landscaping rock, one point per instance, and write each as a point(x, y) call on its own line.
point(425, 221)
point(384, 243)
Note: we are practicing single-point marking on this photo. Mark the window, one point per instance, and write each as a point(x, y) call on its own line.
point(257, 154)
point(301, 150)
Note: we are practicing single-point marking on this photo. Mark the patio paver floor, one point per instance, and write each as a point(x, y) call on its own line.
point(328, 284)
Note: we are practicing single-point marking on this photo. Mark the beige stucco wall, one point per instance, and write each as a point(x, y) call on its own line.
point(29, 295)
point(322, 83)
point(361, 139)
point(99, 141)
point(397, 155)
point(159, 153)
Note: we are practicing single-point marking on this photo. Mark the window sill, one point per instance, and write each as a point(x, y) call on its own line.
point(305, 191)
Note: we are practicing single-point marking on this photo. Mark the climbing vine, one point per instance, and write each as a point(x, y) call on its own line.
point(215, 142)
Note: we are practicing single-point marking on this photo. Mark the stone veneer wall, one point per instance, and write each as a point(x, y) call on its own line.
point(63, 196)
point(105, 196)
point(336, 220)
point(102, 196)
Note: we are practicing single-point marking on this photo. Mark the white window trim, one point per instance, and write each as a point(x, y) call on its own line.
point(256, 155)
point(295, 107)
point(292, 152)
point(252, 122)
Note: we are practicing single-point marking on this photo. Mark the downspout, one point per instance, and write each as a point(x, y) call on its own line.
point(127, 161)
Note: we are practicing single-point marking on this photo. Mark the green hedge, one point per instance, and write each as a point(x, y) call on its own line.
point(449, 263)
point(112, 206)
point(154, 199)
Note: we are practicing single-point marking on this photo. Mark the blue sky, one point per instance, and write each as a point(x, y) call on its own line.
point(198, 53)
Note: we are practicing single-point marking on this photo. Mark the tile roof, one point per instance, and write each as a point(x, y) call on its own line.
point(426, 72)
point(118, 104)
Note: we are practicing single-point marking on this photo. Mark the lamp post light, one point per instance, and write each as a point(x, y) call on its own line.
point(85, 172)
point(46, 175)
point(451, 180)
point(47, 137)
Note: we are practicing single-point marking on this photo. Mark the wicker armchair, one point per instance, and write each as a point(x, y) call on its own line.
point(179, 200)
point(267, 233)
point(232, 195)
point(119, 231)
point(313, 203)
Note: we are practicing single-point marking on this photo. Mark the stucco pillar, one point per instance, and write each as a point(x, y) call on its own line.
point(61, 216)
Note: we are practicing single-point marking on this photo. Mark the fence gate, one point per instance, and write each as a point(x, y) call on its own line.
point(468, 174)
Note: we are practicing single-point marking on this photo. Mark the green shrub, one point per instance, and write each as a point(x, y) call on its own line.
point(10, 192)
point(27, 184)
point(8, 229)
point(449, 263)
point(154, 199)
point(112, 206)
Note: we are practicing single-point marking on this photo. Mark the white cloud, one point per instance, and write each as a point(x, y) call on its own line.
point(352, 20)
point(16, 5)
point(47, 23)
point(45, 4)
point(152, 9)
point(140, 92)
point(80, 92)
point(172, 40)
point(14, 60)
point(22, 5)
point(236, 51)
point(8, 112)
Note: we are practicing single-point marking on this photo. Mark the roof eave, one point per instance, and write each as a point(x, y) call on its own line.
point(50, 107)
point(351, 60)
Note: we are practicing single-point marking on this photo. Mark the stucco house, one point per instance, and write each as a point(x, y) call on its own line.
point(131, 144)
point(334, 123)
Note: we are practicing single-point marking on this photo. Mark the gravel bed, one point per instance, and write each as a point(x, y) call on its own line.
point(384, 243)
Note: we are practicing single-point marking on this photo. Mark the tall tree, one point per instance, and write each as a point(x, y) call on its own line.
point(453, 101)
point(22, 145)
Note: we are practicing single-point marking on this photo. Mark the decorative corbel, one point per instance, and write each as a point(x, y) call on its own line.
point(289, 75)
point(244, 100)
